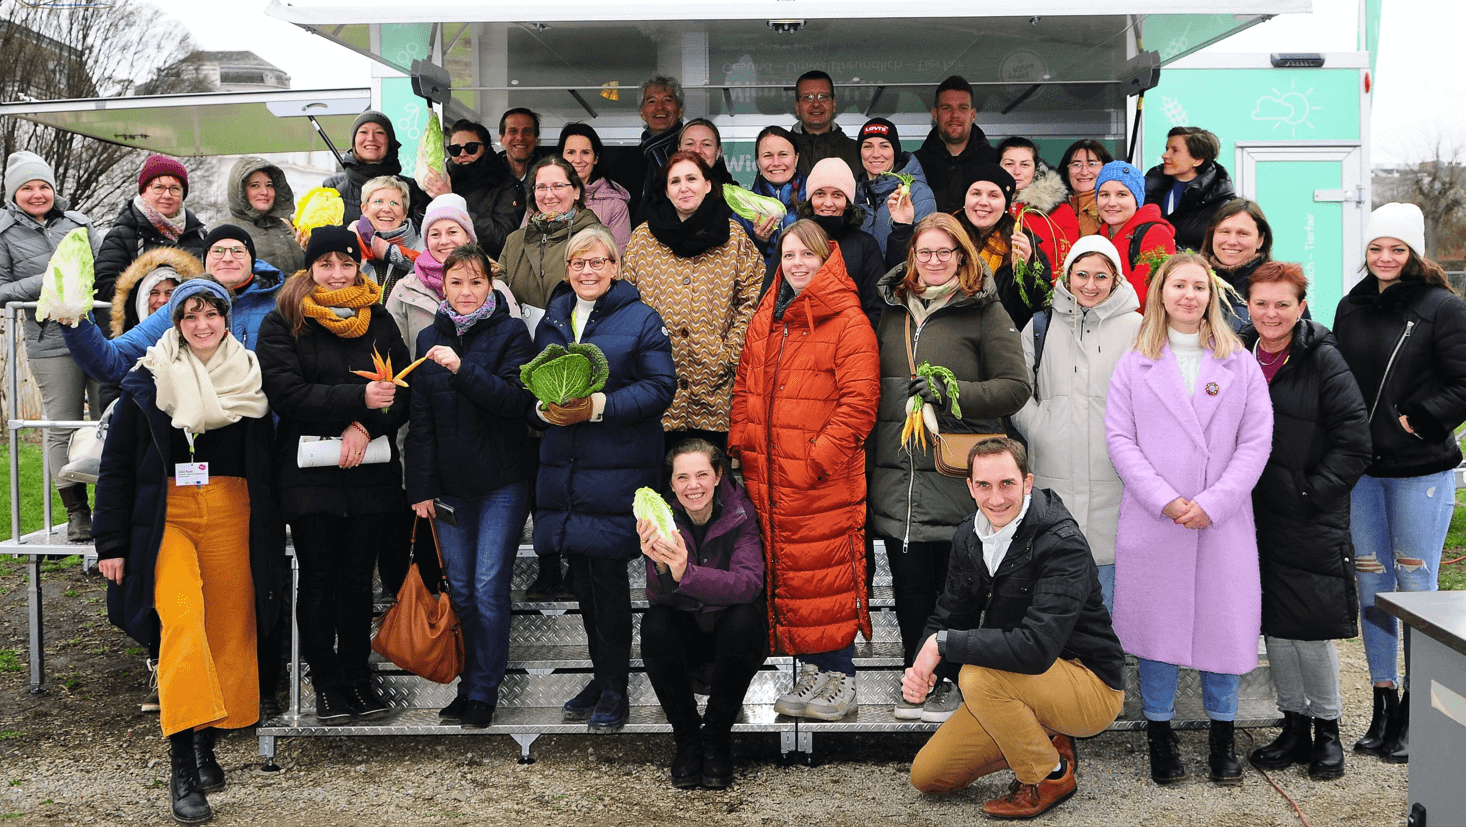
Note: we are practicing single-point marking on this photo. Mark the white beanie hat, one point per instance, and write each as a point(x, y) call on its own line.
point(1092, 244)
point(1397, 220)
point(22, 167)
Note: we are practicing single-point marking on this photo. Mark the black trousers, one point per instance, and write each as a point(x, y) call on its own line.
point(672, 642)
point(603, 588)
point(918, 575)
point(334, 606)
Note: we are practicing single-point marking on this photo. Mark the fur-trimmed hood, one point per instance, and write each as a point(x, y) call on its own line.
point(124, 312)
point(1046, 192)
point(239, 205)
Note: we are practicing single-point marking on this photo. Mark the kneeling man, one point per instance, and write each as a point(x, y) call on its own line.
point(1022, 613)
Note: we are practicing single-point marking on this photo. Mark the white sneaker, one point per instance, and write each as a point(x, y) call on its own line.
point(150, 703)
point(907, 711)
point(941, 703)
point(835, 700)
point(806, 686)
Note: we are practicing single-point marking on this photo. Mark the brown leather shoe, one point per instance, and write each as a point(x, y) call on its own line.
point(1067, 749)
point(1031, 800)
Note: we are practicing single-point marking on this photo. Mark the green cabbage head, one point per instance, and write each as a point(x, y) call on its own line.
point(430, 148)
point(649, 505)
point(561, 374)
point(66, 290)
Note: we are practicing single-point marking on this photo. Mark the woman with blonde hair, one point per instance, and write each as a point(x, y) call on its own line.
point(1189, 425)
point(942, 306)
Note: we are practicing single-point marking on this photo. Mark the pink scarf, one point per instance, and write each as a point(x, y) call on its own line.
point(430, 272)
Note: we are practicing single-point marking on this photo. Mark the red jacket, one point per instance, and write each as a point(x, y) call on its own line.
point(804, 401)
point(1161, 236)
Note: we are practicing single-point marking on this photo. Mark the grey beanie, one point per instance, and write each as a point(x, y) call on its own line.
point(25, 166)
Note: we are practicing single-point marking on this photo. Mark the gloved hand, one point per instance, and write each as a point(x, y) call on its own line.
point(921, 386)
point(571, 413)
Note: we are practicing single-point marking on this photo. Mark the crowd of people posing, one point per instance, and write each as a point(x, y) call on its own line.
point(1074, 437)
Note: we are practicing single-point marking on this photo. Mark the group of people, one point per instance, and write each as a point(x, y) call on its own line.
point(1164, 456)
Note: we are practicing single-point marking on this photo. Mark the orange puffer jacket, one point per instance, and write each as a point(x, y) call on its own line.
point(804, 401)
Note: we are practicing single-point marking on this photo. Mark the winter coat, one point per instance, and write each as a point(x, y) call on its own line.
point(1203, 195)
point(131, 235)
point(467, 432)
point(1042, 604)
point(311, 387)
point(534, 260)
point(831, 144)
point(1049, 218)
point(26, 246)
point(803, 404)
point(635, 168)
point(589, 472)
point(414, 307)
point(132, 508)
point(871, 195)
point(1184, 596)
point(1064, 422)
point(107, 360)
point(910, 500)
point(495, 199)
point(705, 301)
point(349, 184)
point(1158, 236)
point(790, 193)
point(611, 204)
point(948, 174)
point(1320, 448)
point(124, 302)
point(726, 570)
point(1407, 350)
point(272, 232)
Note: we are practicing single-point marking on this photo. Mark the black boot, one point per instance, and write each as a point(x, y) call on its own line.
point(1222, 754)
point(190, 806)
point(1327, 762)
point(687, 763)
point(547, 583)
point(1386, 701)
point(1165, 753)
point(717, 760)
point(211, 775)
point(78, 513)
point(1290, 747)
point(1396, 749)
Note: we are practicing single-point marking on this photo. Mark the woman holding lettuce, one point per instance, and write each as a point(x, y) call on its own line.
point(598, 448)
point(702, 274)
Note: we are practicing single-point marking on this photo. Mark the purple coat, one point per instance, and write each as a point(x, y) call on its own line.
point(729, 567)
point(1192, 598)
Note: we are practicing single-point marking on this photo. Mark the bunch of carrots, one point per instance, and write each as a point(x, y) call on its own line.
point(915, 428)
point(382, 370)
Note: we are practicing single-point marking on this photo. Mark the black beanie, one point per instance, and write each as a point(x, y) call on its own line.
point(880, 128)
point(230, 231)
point(332, 240)
point(994, 174)
point(373, 116)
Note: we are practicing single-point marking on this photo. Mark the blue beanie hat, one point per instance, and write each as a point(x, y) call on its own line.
point(1127, 174)
point(196, 286)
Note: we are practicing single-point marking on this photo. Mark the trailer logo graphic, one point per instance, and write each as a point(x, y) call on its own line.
point(1291, 108)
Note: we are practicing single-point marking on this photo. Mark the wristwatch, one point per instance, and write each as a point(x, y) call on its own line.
point(942, 643)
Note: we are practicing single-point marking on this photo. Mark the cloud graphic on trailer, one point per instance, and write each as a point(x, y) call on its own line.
point(1290, 108)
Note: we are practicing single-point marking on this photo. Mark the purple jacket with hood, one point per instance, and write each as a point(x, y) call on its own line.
point(728, 569)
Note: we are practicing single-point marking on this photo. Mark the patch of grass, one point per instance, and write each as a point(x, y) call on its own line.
point(61, 565)
point(11, 815)
point(71, 682)
point(10, 661)
point(10, 734)
point(1453, 574)
point(9, 565)
point(70, 593)
point(133, 651)
point(15, 782)
point(31, 491)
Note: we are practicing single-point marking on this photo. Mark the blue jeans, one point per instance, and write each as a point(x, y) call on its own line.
point(1394, 521)
point(840, 660)
point(1158, 692)
point(1107, 586)
point(478, 557)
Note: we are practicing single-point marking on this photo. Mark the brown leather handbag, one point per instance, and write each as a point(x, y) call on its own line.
point(949, 451)
point(421, 633)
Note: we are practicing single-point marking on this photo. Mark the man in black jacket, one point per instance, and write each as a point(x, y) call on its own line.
point(817, 136)
point(956, 145)
point(1023, 614)
point(635, 168)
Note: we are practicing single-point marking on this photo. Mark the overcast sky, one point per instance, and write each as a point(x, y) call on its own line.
point(1420, 91)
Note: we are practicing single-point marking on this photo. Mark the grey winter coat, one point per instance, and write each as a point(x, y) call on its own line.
point(26, 246)
point(974, 337)
point(1064, 422)
point(272, 232)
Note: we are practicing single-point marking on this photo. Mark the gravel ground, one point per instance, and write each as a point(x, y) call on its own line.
point(83, 754)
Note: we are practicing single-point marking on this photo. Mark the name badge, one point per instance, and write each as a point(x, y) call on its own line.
point(191, 473)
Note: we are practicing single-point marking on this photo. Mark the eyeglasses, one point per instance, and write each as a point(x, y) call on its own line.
point(811, 97)
point(1078, 165)
point(558, 186)
point(458, 149)
point(1096, 275)
point(583, 264)
point(159, 189)
point(383, 202)
point(944, 255)
point(231, 252)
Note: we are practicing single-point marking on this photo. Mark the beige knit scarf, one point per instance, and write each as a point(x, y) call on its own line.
point(203, 397)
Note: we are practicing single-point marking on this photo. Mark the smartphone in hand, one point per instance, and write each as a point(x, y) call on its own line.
point(447, 514)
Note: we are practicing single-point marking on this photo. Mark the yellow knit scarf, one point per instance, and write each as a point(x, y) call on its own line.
point(994, 252)
point(322, 305)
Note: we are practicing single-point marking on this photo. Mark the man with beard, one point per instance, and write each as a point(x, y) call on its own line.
point(956, 145)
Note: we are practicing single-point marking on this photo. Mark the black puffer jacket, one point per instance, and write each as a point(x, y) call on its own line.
point(495, 199)
point(1210, 189)
point(1301, 503)
point(349, 184)
point(948, 174)
point(1407, 349)
point(131, 235)
point(1044, 603)
point(311, 387)
point(467, 436)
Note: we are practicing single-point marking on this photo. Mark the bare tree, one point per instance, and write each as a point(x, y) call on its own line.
point(1438, 186)
point(50, 53)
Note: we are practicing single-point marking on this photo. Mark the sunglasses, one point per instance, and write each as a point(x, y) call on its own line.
point(458, 149)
